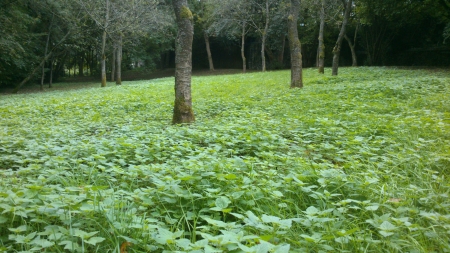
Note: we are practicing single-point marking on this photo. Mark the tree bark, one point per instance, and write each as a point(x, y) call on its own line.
point(50, 83)
point(182, 111)
point(264, 36)
point(81, 65)
point(337, 47)
point(244, 60)
point(352, 49)
point(119, 61)
point(321, 48)
point(295, 46)
point(113, 64)
point(104, 45)
point(208, 51)
point(45, 53)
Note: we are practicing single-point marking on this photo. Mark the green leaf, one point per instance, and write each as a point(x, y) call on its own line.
point(222, 202)
point(94, 240)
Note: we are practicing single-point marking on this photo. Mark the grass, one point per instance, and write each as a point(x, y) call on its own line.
point(354, 163)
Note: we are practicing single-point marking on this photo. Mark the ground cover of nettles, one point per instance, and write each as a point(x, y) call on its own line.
point(354, 163)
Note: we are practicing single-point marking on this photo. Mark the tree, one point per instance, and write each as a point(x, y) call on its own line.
point(202, 12)
point(231, 20)
point(347, 4)
point(295, 46)
point(321, 47)
point(182, 111)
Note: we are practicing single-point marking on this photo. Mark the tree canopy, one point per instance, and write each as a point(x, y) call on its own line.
point(67, 38)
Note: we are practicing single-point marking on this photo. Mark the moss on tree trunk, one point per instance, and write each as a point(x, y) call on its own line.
point(182, 111)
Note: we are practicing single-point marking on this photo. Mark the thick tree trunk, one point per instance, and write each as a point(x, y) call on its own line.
point(182, 111)
point(119, 61)
point(113, 64)
point(208, 51)
point(321, 48)
point(337, 47)
point(244, 60)
point(264, 36)
point(295, 46)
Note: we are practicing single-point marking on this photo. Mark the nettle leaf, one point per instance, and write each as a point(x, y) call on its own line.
point(222, 202)
point(94, 240)
point(42, 243)
point(270, 219)
point(311, 211)
point(387, 226)
point(82, 234)
point(372, 208)
point(18, 229)
point(216, 223)
point(282, 248)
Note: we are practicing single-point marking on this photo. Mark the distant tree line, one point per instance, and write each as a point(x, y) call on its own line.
point(44, 40)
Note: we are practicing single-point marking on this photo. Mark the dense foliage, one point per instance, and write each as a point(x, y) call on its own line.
point(383, 32)
point(355, 163)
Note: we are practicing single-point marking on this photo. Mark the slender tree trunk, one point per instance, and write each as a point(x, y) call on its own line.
point(182, 111)
point(295, 46)
point(45, 53)
point(244, 60)
point(32, 73)
point(352, 49)
point(104, 45)
point(208, 51)
point(264, 37)
point(119, 61)
point(321, 48)
point(103, 61)
point(337, 47)
point(281, 53)
point(50, 83)
point(81, 65)
point(113, 64)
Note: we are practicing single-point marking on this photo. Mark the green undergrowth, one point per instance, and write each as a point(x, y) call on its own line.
point(354, 163)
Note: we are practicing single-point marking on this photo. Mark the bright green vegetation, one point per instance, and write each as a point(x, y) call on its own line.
point(354, 163)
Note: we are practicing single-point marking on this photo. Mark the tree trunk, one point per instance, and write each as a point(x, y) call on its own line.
point(281, 53)
point(264, 36)
point(113, 64)
point(119, 61)
point(81, 65)
point(104, 45)
point(244, 60)
point(321, 47)
point(50, 83)
point(103, 61)
point(352, 49)
point(208, 51)
point(45, 53)
point(182, 111)
point(31, 74)
point(337, 47)
point(295, 46)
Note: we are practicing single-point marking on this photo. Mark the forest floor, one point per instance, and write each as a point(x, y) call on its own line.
point(352, 163)
point(80, 82)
